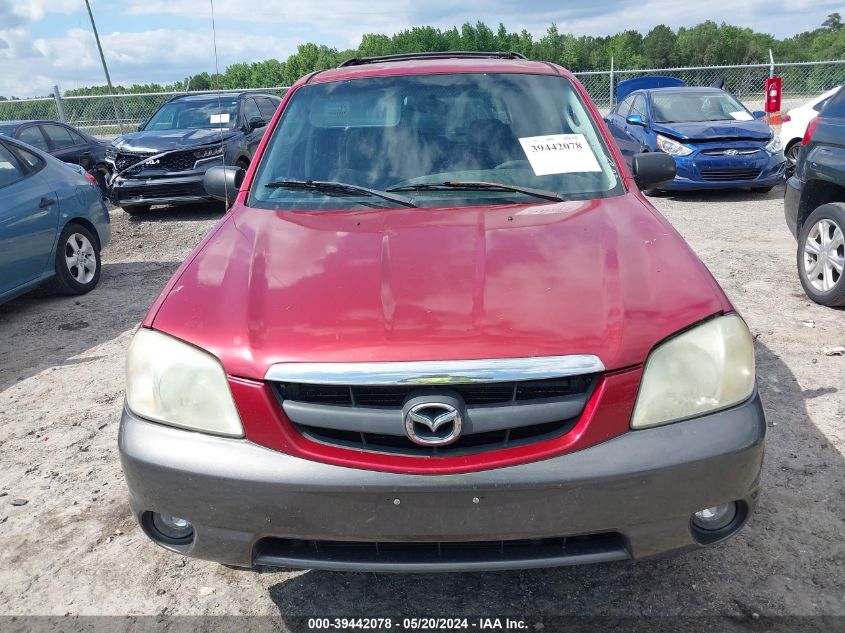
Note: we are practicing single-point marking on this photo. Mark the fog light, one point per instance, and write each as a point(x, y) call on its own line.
point(715, 518)
point(173, 529)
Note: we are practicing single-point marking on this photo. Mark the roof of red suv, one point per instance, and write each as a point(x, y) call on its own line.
point(436, 65)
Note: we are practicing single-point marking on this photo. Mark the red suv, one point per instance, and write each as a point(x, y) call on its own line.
point(440, 329)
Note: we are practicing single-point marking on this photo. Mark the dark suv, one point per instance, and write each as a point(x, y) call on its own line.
point(165, 160)
point(815, 205)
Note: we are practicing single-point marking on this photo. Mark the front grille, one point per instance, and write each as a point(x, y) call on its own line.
point(346, 416)
point(433, 554)
point(176, 190)
point(473, 394)
point(173, 161)
point(721, 175)
point(730, 152)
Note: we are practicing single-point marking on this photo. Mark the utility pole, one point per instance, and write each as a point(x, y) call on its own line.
point(105, 67)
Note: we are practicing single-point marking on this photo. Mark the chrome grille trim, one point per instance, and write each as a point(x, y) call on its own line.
point(436, 373)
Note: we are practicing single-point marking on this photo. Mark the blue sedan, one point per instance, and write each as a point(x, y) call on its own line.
point(715, 141)
point(53, 223)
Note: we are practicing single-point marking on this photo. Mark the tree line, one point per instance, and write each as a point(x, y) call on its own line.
point(705, 44)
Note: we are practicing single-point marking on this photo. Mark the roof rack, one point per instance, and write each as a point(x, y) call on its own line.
point(358, 61)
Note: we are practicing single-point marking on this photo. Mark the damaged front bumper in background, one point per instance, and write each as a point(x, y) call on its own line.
point(172, 177)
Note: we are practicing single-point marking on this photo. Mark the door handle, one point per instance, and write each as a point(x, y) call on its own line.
point(46, 203)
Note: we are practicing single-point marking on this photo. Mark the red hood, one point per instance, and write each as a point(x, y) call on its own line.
point(607, 277)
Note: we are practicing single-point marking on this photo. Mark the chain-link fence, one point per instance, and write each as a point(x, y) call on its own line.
point(108, 115)
point(801, 81)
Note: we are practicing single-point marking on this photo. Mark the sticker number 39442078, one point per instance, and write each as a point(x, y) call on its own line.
point(559, 154)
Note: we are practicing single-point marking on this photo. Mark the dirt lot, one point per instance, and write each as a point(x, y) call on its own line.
point(73, 548)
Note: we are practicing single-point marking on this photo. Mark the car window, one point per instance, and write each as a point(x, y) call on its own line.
point(192, 114)
point(32, 161)
point(267, 107)
point(638, 107)
point(10, 169)
point(382, 132)
point(623, 108)
point(60, 136)
point(693, 106)
point(33, 136)
point(251, 110)
point(836, 105)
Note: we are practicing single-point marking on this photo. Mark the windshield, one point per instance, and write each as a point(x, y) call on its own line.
point(388, 133)
point(189, 114)
point(691, 107)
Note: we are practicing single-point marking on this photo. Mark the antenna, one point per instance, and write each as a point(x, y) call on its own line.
point(219, 106)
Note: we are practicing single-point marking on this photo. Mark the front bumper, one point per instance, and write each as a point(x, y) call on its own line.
point(792, 204)
point(630, 497)
point(157, 186)
point(691, 169)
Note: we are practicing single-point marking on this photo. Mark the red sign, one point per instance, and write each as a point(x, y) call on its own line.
point(774, 88)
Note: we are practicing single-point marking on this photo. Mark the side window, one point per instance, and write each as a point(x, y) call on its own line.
point(10, 170)
point(623, 108)
point(32, 161)
point(33, 136)
point(251, 110)
point(60, 137)
point(639, 107)
point(267, 107)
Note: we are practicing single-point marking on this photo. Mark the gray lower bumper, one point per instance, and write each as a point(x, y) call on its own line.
point(642, 487)
point(185, 188)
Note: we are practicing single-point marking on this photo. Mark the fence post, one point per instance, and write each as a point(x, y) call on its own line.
point(612, 81)
point(771, 64)
point(60, 108)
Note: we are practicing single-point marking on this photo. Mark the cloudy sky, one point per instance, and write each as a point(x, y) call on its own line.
point(43, 42)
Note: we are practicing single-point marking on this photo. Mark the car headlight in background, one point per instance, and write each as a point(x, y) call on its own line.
point(174, 383)
point(705, 369)
point(774, 145)
point(208, 152)
point(111, 152)
point(671, 147)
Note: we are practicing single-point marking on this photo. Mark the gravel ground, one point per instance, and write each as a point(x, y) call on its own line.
point(73, 548)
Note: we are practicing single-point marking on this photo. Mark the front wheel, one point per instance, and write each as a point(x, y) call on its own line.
point(77, 261)
point(821, 255)
point(792, 152)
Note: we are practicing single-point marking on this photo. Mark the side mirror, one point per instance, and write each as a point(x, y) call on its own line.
point(86, 161)
point(635, 119)
point(223, 183)
point(256, 122)
point(141, 127)
point(652, 169)
point(758, 114)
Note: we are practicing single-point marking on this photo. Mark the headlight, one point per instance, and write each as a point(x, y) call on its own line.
point(208, 152)
point(774, 146)
point(707, 368)
point(672, 147)
point(111, 153)
point(175, 383)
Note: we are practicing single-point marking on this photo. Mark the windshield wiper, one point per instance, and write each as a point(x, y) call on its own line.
point(478, 185)
point(337, 189)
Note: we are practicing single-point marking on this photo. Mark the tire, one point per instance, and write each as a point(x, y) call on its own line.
point(762, 189)
point(653, 193)
point(242, 163)
point(821, 255)
point(136, 209)
point(791, 152)
point(77, 261)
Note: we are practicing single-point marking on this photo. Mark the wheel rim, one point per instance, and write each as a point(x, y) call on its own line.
point(824, 255)
point(80, 258)
point(792, 153)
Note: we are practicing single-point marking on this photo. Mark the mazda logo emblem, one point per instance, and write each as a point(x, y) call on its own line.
point(433, 423)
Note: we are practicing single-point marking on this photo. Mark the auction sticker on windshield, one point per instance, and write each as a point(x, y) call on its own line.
point(559, 154)
point(220, 118)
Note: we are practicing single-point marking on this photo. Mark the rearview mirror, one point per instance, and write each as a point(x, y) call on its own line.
point(635, 119)
point(256, 122)
point(652, 169)
point(223, 183)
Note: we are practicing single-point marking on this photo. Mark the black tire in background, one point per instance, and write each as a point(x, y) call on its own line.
point(136, 209)
point(77, 261)
point(826, 222)
point(762, 189)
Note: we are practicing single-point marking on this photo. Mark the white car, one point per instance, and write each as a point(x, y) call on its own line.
point(795, 124)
